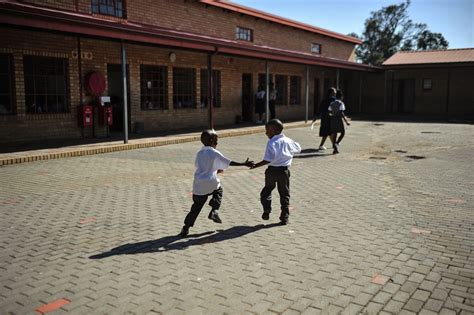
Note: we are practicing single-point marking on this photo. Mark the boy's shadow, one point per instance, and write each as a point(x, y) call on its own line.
point(177, 242)
point(308, 153)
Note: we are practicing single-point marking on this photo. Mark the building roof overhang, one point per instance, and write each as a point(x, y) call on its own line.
point(24, 15)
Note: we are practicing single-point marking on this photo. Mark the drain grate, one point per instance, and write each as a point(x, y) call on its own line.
point(401, 151)
point(430, 132)
point(377, 158)
point(378, 124)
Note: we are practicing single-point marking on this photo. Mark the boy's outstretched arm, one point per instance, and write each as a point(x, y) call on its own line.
point(247, 163)
point(261, 163)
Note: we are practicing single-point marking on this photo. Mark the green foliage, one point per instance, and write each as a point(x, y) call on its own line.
point(389, 30)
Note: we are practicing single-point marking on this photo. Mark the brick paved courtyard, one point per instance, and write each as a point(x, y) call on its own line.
point(387, 226)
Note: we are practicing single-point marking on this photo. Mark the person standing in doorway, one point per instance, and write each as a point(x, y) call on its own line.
point(272, 101)
point(325, 127)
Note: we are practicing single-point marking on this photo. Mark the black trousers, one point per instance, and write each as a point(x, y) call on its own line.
point(277, 177)
point(198, 203)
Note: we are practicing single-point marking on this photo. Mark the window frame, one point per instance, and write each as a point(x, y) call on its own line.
point(295, 100)
point(241, 34)
point(120, 13)
point(153, 94)
point(320, 48)
point(282, 95)
point(190, 82)
point(10, 78)
point(217, 85)
point(36, 76)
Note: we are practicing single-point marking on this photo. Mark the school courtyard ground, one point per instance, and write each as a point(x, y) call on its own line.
point(387, 226)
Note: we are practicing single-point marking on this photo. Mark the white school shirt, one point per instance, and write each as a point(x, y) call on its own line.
point(208, 161)
point(280, 150)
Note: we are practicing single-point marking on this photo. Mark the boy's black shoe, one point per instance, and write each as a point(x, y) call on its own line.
point(214, 217)
point(266, 215)
point(184, 231)
point(283, 222)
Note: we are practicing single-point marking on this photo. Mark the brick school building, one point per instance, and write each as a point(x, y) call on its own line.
point(181, 56)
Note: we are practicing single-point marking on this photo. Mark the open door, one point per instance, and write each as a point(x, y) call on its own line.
point(114, 84)
point(247, 97)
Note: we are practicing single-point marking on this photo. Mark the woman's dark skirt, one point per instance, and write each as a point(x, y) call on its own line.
point(325, 128)
point(337, 125)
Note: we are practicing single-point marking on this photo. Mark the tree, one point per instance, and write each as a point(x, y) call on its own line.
point(389, 30)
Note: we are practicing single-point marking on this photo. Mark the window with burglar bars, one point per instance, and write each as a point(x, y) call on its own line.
point(281, 85)
point(6, 84)
point(216, 84)
point(109, 7)
point(184, 88)
point(46, 84)
point(242, 33)
point(295, 90)
point(154, 87)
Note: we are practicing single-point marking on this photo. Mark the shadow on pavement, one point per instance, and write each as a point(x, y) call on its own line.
point(308, 153)
point(177, 242)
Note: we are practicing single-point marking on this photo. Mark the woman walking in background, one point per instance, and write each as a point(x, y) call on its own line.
point(325, 127)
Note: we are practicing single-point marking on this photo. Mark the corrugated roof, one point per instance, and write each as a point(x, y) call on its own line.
point(228, 5)
point(431, 57)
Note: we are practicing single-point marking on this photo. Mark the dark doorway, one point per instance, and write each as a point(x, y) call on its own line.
point(114, 84)
point(317, 97)
point(247, 97)
point(406, 96)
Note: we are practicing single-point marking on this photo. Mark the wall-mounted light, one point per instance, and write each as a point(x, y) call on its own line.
point(172, 56)
point(148, 85)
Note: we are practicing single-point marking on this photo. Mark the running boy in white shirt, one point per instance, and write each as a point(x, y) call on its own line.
point(208, 163)
point(278, 155)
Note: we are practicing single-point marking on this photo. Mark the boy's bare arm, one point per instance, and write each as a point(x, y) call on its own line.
point(261, 163)
point(247, 163)
point(344, 117)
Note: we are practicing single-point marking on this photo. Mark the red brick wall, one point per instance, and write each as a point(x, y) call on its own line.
point(29, 126)
point(194, 17)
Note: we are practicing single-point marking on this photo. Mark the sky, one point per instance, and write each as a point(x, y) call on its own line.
point(452, 18)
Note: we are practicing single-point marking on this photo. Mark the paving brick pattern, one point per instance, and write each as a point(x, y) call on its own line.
point(371, 230)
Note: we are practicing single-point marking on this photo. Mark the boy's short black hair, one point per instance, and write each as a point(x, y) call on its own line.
point(207, 135)
point(275, 123)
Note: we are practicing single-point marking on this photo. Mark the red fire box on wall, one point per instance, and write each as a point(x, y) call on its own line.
point(85, 115)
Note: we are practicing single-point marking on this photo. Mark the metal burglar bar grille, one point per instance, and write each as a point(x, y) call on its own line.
point(295, 90)
point(154, 87)
point(6, 84)
point(184, 88)
point(46, 84)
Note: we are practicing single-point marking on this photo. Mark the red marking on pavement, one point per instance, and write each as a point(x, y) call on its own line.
point(87, 220)
point(108, 185)
point(290, 208)
point(456, 200)
point(255, 178)
point(340, 187)
point(379, 279)
point(46, 308)
point(189, 194)
point(11, 201)
point(418, 231)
